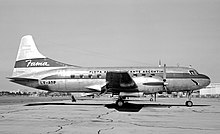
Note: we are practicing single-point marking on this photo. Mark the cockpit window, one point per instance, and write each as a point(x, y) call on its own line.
point(193, 72)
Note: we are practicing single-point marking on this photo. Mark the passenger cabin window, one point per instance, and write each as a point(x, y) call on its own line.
point(81, 76)
point(99, 75)
point(135, 75)
point(152, 74)
point(72, 76)
point(90, 76)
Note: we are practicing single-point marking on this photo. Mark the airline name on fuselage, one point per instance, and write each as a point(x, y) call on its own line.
point(31, 63)
point(132, 71)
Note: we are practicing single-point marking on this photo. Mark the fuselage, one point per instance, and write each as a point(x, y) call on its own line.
point(92, 79)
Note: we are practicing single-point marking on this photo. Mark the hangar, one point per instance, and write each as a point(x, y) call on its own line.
point(212, 90)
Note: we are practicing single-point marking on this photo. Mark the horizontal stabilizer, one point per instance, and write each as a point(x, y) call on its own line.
point(13, 79)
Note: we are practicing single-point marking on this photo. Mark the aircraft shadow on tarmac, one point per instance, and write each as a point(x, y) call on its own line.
point(127, 107)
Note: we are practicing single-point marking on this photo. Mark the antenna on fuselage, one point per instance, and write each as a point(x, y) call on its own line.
point(159, 63)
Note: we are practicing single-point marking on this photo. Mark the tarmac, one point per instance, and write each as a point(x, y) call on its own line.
point(101, 116)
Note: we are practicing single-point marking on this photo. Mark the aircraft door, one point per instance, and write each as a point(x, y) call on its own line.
point(62, 84)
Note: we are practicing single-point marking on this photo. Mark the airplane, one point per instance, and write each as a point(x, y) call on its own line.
point(35, 70)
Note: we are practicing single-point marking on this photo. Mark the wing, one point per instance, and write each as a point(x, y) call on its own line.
point(118, 81)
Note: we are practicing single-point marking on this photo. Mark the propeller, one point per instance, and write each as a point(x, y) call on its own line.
point(104, 90)
point(165, 78)
point(164, 73)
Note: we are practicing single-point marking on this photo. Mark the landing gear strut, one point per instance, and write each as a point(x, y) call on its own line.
point(189, 103)
point(155, 97)
point(73, 98)
point(120, 102)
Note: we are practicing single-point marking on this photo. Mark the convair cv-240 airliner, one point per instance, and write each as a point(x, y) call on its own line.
point(36, 70)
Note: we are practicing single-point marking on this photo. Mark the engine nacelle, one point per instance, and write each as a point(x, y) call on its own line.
point(150, 85)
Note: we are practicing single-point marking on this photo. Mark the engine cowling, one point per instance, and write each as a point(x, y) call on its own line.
point(150, 85)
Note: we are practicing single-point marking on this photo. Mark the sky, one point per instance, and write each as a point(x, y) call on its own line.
point(113, 33)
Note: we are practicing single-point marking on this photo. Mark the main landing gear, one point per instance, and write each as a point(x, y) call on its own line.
point(155, 97)
point(189, 103)
point(121, 101)
point(73, 98)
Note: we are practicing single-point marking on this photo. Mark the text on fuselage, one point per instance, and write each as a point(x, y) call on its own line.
point(47, 82)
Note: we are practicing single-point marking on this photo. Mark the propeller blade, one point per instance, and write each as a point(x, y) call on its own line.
point(104, 90)
point(164, 73)
point(165, 79)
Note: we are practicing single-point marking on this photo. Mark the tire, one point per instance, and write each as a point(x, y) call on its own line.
point(120, 103)
point(189, 103)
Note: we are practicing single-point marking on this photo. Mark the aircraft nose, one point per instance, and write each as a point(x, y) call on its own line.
point(206, 80)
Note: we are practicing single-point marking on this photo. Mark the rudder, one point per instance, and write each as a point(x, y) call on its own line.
point(28, 49)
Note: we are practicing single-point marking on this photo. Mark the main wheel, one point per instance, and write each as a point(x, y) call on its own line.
point(120, 103)
point(189, 103)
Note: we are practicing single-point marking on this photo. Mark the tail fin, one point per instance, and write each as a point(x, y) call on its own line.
point(30, 60)
point(28, 49)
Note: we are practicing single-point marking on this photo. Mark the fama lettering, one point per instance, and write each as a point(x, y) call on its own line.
point(31, 63)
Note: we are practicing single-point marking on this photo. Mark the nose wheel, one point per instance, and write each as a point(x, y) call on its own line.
point(189, 103)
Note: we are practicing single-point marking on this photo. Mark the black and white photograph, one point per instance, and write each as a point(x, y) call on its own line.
point(109, 66)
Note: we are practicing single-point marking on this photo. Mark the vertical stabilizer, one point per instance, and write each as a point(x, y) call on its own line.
point(30, 60)
point(28, 49)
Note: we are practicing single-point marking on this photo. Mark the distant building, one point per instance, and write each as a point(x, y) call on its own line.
point(212, 90)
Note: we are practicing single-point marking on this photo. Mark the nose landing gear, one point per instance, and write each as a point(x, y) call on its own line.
point(189, 103)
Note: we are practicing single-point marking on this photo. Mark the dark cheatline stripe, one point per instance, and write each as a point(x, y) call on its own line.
point(39, 62)
point(185, 76)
